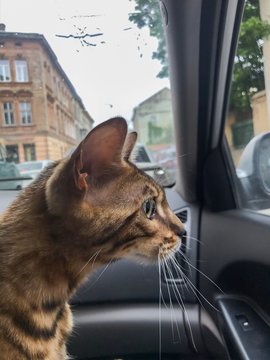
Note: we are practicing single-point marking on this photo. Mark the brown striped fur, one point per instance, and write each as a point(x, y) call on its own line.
point(88, 206)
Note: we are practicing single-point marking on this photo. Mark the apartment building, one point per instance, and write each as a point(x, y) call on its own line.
point(41, 114)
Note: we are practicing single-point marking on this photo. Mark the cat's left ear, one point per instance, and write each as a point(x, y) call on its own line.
point(100, 154)
point(129, 145)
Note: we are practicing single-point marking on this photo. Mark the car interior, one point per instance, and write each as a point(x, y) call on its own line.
point(218, 305)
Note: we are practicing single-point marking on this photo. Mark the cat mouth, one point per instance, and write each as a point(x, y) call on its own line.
point(170, 249)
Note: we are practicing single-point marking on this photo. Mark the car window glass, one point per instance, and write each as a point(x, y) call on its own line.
point(248, 120)
point(140, 154)
point(91, 61)
point(30, 166)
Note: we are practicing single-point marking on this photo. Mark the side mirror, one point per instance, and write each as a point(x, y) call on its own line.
point(254, 172)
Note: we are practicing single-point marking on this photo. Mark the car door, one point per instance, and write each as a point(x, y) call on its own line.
point(234, 227)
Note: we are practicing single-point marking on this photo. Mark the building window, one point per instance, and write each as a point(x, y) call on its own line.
point(8, 113)
point(29, 152)
point(25, 113)
point(83, 133)
point(21, 71)
point(12, 153)
point(4, 71)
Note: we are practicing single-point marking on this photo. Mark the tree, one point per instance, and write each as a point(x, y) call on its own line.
point(147, 13)
point(248, 76)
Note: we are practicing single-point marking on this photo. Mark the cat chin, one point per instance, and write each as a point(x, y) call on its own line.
point(142, 259)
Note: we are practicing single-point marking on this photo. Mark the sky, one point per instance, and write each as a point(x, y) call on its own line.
point(111, 77)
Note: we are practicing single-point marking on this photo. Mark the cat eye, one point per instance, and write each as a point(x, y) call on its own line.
point(149, 207)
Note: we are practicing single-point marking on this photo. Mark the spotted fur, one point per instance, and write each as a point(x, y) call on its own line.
point(84, 207)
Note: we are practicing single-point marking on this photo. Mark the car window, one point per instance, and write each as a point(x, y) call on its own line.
point(140, 154)
point(30, 166)
point(248, 120)
point(90, 62)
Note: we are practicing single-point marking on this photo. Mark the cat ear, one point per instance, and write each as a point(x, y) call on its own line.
point(129, 145)
point(100, 150)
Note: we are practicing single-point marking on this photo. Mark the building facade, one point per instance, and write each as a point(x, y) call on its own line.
point(239, 133)
point(41, 114)
point(153, 121)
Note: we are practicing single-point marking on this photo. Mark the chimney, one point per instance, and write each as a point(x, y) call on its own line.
point(2, 27)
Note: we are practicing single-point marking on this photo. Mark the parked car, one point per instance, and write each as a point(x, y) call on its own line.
point(32, 169)
point(167, 159)
point(9, 170)
point(143, 158)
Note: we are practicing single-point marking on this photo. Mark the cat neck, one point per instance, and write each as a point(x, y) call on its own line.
point(36, 250)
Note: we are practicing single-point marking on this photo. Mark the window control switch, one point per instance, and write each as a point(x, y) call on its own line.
point(244, 322)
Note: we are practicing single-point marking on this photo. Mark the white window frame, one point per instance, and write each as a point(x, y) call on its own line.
point(8, 111)
point(5, 70)
point(21, 71)
point(25, 113)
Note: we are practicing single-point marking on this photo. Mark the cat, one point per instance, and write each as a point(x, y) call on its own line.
point(94, 204)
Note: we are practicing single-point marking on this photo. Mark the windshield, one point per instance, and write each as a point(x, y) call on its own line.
point(91, 61)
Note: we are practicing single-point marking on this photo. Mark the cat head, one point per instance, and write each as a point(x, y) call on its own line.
point(106, 204)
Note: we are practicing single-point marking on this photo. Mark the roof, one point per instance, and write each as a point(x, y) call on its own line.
point(153, 96)
point(146, 100)
point(42, 40)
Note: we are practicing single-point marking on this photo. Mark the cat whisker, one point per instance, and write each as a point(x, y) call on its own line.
point(203, 274)
point(193, 287)
point(93, 256)
point(159, 307)
point(159, 277)
point(196, 292)
point(172, 311)
point(181, 303)
point(95, 259)
point(187, 281)
point(102, 272)
point(193, 238)
point(185, 258)
point(171, 262)
point(184, 155)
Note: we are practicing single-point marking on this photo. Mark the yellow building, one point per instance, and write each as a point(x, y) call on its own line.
point(259, 123)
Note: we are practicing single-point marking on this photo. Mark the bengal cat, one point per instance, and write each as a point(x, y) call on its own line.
point(96, 204)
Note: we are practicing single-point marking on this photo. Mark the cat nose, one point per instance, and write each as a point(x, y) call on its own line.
point(181, 232)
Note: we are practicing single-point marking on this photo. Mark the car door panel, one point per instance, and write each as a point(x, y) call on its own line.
point(245, 329)
point(241, 268)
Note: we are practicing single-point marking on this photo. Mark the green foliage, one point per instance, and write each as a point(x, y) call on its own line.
point(147, 13)
point(248, 76)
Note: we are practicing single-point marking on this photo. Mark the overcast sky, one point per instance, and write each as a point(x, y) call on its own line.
point(111, 77)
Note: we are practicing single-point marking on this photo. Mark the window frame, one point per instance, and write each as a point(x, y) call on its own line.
point(21, 70)
point(3, 68)
point(26, 112)
point(8, 112)
point(30, 146)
